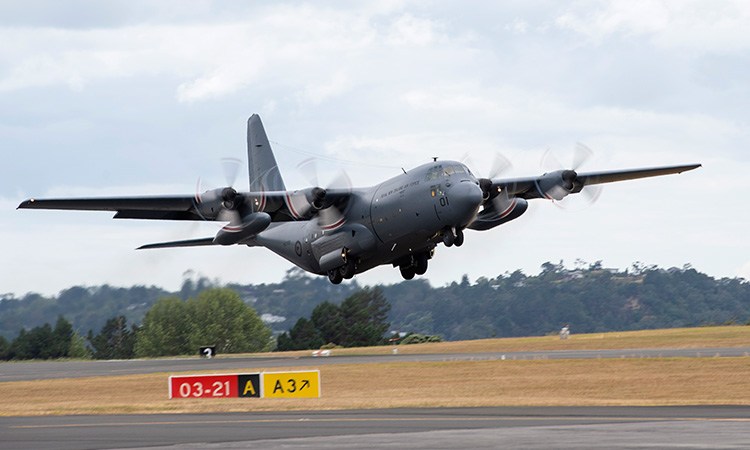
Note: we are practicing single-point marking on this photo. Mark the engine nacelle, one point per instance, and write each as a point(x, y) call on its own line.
point(558, 184)
point(210, 203)
point(251, 225)
point(490, 217)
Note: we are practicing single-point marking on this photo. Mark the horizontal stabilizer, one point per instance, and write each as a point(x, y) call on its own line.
point(186, 243)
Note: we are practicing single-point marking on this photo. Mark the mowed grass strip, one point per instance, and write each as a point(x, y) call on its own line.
point(704, 337)
point(675, 381)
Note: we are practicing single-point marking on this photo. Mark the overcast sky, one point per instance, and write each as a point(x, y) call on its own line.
point(140, 97)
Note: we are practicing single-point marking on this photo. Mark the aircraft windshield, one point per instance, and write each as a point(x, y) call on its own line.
point(434, 173)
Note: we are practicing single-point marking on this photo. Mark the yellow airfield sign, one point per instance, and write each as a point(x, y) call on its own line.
point(291, 384)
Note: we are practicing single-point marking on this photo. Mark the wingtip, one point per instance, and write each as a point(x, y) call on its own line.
point(25, 204)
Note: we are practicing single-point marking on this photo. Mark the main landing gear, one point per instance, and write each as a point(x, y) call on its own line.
point(345, 272)
point(453, 236)
point(415, 265)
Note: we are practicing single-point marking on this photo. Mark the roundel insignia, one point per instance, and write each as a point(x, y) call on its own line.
point(298, 248)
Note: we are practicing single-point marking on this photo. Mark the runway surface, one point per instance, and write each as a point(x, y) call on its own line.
point(709, 427)
point(23, 371)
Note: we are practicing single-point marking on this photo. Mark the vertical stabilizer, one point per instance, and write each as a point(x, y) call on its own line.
point(264, 172)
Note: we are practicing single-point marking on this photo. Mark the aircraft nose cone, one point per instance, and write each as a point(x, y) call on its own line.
point(466, 199)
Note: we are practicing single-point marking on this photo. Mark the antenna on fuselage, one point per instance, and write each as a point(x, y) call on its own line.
point(434, 158)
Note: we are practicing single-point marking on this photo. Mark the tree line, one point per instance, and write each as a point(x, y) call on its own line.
point(589, 297)
point(360, 321)
point(216, 317)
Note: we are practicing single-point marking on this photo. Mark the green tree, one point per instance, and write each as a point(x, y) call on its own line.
point(216, 317)
point(219, 317)
point(78, 348)
point(302, 336)
point(326, 319)
point(165, 330)
point(363, 319)
point(35, 344)
point(114, 341)
point(62, 339)
point(4, 348)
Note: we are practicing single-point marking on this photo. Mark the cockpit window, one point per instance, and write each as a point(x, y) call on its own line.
point(459, 169)
point(434, 173)
point(436, 190)
point(449, 170)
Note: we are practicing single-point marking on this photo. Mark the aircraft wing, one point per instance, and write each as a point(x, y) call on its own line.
point(159, 208)
point(538, 187)
point(282, 206)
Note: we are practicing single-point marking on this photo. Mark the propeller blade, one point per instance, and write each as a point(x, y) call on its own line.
point(581, 155)
point(549, 162)
point(230, 215)
point(330, 218)
point(231, 167)
point(592, 193)
point(309, 169)
point(500, 165)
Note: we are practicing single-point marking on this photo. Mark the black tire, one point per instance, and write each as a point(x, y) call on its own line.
point(459, 241)
point(334, 276)
point(407, 272)
point(448, 238)
point(421, 263)
point(347, 270)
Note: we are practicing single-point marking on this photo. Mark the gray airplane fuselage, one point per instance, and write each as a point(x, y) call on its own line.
point(386, 223)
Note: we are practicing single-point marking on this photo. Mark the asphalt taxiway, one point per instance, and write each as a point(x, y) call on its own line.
point(697, 427)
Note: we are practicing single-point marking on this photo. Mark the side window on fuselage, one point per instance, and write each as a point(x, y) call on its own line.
point(436, 190)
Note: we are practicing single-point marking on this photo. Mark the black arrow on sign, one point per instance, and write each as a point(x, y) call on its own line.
point(305, 383)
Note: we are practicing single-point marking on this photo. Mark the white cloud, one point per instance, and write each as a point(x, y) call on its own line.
point(716, 26)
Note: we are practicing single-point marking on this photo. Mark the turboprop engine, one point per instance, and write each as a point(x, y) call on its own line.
point(226, 204)
point(558, 184)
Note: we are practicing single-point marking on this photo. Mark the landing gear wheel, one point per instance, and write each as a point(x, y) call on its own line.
point(407, 272)
point(459, 241)
point(448, 238)
point(347, 270)
point(420, 260)
point(334, 276)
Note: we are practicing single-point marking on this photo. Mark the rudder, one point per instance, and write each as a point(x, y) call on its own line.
point(263, 170)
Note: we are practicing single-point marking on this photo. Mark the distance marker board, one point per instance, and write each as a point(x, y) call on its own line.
point(267, 384)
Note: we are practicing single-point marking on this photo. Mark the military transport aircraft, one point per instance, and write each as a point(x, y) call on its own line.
point(343, 232)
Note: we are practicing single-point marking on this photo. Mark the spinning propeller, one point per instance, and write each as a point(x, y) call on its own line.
point(570, 182)
point(500, 200)
point(318, 200)
point(228, 205)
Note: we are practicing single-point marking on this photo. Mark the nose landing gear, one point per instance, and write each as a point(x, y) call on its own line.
point(453, 236)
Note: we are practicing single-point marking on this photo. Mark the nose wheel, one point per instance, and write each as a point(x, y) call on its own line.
point(453, 236)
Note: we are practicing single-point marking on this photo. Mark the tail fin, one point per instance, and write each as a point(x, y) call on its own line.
point(264, 172)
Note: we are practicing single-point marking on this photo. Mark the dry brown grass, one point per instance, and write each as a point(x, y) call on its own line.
point(674, 381)
point(656, 381)
point(706, 337)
